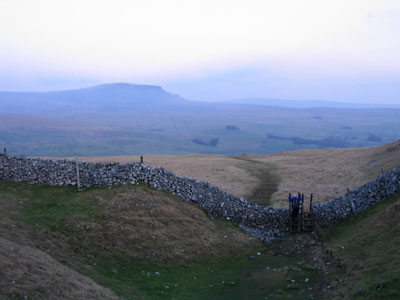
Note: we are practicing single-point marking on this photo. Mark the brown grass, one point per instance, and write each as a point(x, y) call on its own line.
point(130, 223)
point(207, 168)
point(27, 271)
point(326, 173)
point(142, 223)
point(145, 224)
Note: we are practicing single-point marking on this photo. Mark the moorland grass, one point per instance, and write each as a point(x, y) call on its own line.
point(223, 275)
point(368, 245)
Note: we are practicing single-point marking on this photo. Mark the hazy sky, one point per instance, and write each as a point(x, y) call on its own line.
point(211, 49)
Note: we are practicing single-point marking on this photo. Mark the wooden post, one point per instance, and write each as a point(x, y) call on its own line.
point(5, 151)
point(351, 201)
point(386, 187)
point(141, 159)
point(311, 202)
point(77, 175)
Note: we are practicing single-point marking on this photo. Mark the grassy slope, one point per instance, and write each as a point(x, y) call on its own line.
point(121, 237)
point(138, 231)
point(368, 249)
point(98, 235)
point(326, 173)
point(27, 264)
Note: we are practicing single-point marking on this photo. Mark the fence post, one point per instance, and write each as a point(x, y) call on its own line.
point(141, 159)
point(77, 175)
point(5, 151)
point(384, 180)
point(351, 200)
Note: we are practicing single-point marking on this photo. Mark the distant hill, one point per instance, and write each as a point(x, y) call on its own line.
point(129, 119)
point(307, 103)
point(105, 98)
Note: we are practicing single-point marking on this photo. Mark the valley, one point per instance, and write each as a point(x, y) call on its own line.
point(136, 242)
point(199, 150)
point(128, 119)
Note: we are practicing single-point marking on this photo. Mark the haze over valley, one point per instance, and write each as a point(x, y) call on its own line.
point(130, 119)
point(191, 150)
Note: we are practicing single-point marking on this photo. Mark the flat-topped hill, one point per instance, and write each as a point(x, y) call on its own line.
point(131, 119)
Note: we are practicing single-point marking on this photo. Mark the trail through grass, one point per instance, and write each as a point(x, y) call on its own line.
point(267, 177)
point(365, 250)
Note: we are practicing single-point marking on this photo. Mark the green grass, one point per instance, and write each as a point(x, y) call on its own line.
point(47, 206)
point(369, 245)
point(239, 278)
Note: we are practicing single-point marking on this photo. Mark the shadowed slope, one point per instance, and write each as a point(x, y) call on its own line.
point(28, 272)
point(137, 241)
point(367, 248)
point(41, 226)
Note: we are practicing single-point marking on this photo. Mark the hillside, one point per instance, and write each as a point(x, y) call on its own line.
point(143, 119)
point(138, 242)
point(134, 242)
point(366, 252)
point(326, 173)
point(101, 98)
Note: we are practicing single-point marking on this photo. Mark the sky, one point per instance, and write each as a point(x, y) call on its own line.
point(342, 50)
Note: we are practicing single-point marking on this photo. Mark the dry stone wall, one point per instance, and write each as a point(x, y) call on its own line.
point(265, 222)
point(359, 199)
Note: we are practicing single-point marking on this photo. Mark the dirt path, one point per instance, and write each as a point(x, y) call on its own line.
point(327, 173)
point(267, 179)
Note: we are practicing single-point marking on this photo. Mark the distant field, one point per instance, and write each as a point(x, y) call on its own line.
point(198, 128)
point(326, 173)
